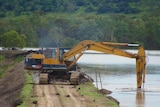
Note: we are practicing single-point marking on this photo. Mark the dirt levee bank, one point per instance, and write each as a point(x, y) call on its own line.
point(10, 86)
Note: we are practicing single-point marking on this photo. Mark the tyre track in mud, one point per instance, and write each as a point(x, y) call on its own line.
point(46, 96)
point(70, 98)
point(58, 96)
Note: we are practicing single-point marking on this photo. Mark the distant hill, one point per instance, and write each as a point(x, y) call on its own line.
point(19, 7)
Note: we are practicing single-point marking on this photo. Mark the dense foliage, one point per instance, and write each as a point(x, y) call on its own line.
point(12, 39)
point(52, 23)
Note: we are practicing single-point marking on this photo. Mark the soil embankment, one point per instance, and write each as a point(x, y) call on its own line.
point(10, 86)
point(12, 81)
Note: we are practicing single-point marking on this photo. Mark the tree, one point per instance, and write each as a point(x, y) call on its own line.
point(13, 39)
point(152, 27)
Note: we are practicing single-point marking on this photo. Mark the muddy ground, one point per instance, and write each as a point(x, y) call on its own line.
point(63, 95)
point(11, 84)
point(60, 95)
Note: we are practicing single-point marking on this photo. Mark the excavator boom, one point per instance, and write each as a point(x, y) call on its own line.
point(107, 47)
point(92, 45)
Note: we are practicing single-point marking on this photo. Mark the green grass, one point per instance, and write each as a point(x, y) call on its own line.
point(7, 67)
point(2, 57)
point(2, 67)
point(26, 92)
point(88, 90)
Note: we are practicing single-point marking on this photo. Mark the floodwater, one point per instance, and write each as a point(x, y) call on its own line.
point(118, 74)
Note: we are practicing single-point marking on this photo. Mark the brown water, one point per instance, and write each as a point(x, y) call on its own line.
point(118, 75)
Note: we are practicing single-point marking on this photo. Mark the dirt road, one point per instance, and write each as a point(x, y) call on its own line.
point(58, 96)
point(62, 95)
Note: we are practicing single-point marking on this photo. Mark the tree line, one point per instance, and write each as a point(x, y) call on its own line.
point(19, 7)
point(40, 28)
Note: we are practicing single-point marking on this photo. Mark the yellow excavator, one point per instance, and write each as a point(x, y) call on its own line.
point(61, 62)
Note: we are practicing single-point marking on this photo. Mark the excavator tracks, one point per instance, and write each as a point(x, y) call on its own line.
point(75, 78)
point(43, 78)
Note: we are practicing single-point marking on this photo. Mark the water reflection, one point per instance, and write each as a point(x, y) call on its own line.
point(122, 83)
point(140, 98)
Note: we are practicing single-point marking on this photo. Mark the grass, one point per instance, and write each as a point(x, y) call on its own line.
point(2, 68)
point(2, 57)
point(7, 67)
point(18, 59)
point(89, 91)
point(26, 92)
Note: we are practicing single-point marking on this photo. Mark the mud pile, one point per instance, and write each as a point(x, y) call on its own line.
point(14, 53)
point(12, 83)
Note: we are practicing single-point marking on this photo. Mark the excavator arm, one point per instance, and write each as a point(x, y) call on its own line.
point(107, 47)
point(141, 66)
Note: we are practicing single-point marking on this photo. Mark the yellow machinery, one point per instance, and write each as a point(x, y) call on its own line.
point(63, 60)
point(34, 61)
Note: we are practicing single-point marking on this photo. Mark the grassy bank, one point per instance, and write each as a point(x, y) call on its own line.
point(7, 64)
point(12, 80)
point(89, 91)
point(2, 68)
point(26, 93)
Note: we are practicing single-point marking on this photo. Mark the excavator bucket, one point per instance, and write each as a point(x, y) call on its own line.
point(140, 67)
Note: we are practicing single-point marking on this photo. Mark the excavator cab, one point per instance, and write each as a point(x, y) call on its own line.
point(33, 61)
point(48, 59)
point(54, 61)
point(54, 67)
